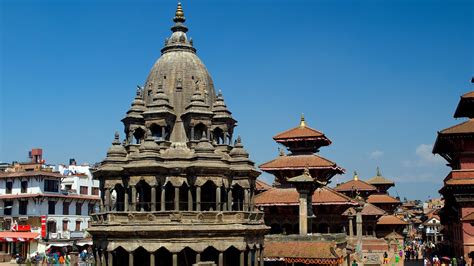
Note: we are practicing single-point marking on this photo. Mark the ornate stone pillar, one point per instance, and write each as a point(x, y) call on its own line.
point(249, 257)
point(153, 198)
point(175, 259)
point(108, 201)
point(257, 256)
point(246, 199)
point(192, 133)
point(359, 226)
point(198, 198)
point(229, 199)
point(221, 259)
point(110, 259)
point(351, 226)
point(152, 259)
point(261, 256)
point(163, 198)
point(102, 200)
point(97, 258)
point(125, 201)
point(163, 132)
point(190, 199)
point(176, 198)
point(134, 198)
point(252, 200)
point(218, 198)
point(130, 259)
point(242, 257)
point(102, 258)
point(198, 257)
point(303, 211)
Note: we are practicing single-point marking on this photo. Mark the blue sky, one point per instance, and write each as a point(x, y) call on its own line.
point(379, 78)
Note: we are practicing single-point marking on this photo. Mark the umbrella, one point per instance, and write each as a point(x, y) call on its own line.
point(445, 258)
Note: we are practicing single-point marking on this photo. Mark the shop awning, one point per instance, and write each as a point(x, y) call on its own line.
point(17, 236)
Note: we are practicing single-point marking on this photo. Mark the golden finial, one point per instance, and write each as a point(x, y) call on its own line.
point(302, 122)
point(179, 12)
point(356, 177)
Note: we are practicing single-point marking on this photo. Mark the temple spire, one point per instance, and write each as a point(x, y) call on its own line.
point(179, 14)
point(356, 177)
point(302, 121)
point(378, 171)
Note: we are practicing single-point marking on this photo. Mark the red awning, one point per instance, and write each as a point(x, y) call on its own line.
point(17, 236)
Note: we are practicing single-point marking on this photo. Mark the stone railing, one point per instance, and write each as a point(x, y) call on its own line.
point(173, 217)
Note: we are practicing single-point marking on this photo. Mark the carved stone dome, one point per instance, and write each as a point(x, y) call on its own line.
point(179, 71)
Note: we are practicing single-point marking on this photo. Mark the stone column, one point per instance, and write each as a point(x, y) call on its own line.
point(242, 258)
point(130, 259)
point(261, 256)
point(108, 202)
point(175, 259)
point(110, 259)
point(257, 256)
point(163, 198)
point(125, 201)
point(198, 257)
point(153, 198)
point(190, 199)
point(246, 199)
point(102, 258)
point(249, 257)
point(351, 227)
point(192, 133)
point(102, 200)
point(229, 199)
point(97, 258)
point(176, 198)
point(359, 226)
point(303, 200)
point(198, 199)
point(152, 259)
point(221, 259)
point(218, 198)
point(134, 198)
point(163, 132)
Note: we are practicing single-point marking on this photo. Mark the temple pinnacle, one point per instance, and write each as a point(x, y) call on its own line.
point(179, 15)
point(356, 177)
point(302, 122)
point(378, 171)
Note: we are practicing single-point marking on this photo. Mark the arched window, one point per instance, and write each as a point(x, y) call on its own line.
point(218, 135)
point(156, 132)
point(208, 196)
point(119, 203)
point(183, 197)
point(169, 196)
point(237, 198)
point(138, 135)
point(200, 131)
point(144, 196)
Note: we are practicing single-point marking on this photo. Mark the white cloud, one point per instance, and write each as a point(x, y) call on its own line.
point(423, 151)
point(376, 154)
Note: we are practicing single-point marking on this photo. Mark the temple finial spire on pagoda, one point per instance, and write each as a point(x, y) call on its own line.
point(378, 171)
point(179, 14)
point(302, 121)
point(355, 177)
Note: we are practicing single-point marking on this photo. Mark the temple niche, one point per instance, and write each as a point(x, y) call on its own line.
point(178, 189)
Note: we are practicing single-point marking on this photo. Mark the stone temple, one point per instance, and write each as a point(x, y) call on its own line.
point(178, 190)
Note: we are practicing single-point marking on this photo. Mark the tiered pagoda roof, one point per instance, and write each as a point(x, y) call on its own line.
point(289, 196)
point(378, 179)
point(382, 198)
point(367, 210)
point(302, 142)
point(355, 185)
point(390, 220)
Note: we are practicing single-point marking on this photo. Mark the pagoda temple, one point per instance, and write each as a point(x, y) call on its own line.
point(304, 214)
point(178, 190)
point(456, 145)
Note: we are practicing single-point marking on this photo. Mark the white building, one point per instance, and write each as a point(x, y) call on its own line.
point(26, 196)
point(432, 229)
